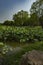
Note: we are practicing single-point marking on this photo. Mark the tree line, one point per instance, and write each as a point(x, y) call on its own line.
point(23, 18)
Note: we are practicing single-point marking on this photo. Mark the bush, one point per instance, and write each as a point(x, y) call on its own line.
point(21, 34)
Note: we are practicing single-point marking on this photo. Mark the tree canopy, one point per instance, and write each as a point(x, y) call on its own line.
point(7, 22)
point(21, 17)
point(37, 7)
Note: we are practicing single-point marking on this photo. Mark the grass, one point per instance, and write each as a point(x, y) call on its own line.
point(15, 58)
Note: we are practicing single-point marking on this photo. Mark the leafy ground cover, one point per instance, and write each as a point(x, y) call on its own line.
point(21, 34)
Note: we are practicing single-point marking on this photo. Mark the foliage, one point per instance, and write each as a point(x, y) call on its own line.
point(21, 18)
point(34, 20)
point(8, 23)
point(41, 21)
point(37, 8)
point(21, 34)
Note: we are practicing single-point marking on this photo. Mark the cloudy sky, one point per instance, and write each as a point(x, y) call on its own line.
point(10, 7)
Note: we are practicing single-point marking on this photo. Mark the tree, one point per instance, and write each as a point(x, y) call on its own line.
point(34, 20)
point(41, 21)
point(7, 22)
point(21, 17)
point(37, 7)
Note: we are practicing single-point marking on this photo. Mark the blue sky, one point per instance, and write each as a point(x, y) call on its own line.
point(9, 7)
